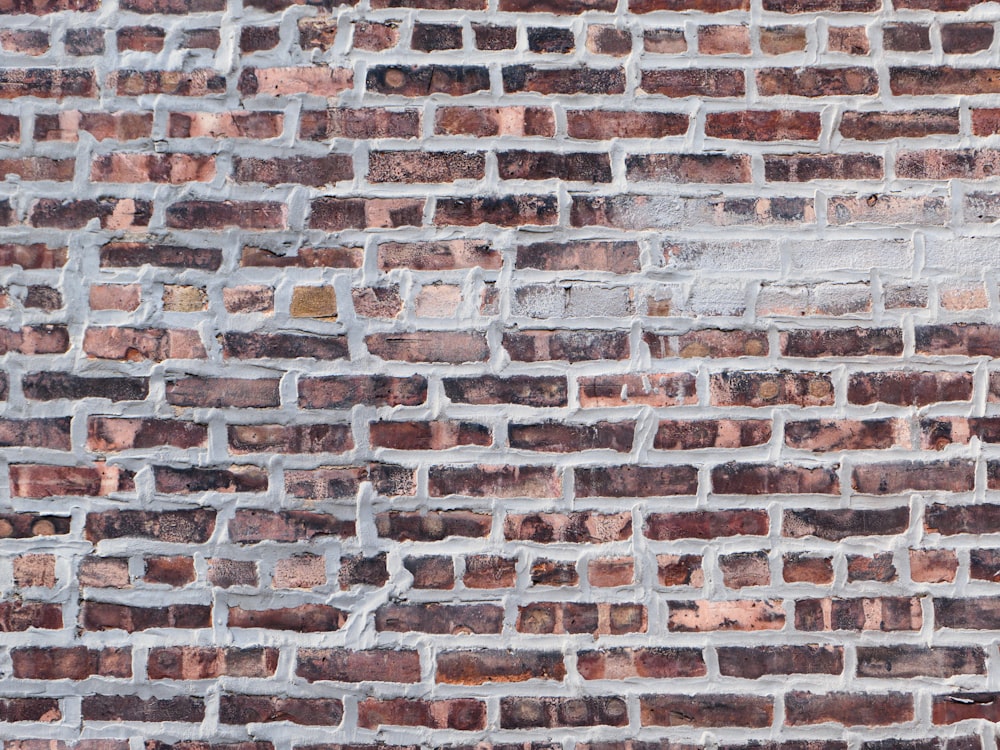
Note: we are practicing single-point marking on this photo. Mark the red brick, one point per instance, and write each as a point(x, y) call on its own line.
point(194, 663)
point(885, 614)
point(526, 713)
point(341, 665)
point(306, 618)
point(476, 667)
point(72, 663)
point(99, 616)
point(439, 619)
point(849, 709)
point(583, 80)
point(879, 126)
point(754, 662)
point(253, 709)
point(718, 710)
point(679, 83)
point(745, 614)
point(706, 524)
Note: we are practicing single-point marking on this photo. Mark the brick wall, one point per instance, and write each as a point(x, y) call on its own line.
point(577, 374)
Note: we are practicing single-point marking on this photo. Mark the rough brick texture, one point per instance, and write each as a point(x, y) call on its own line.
point(499, 374)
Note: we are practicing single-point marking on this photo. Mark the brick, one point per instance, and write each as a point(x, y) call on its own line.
point(887, 209)
point(880, 126)
point(902, 476)
point(223, 392)
point(431, 572)
point(503, 211)
point(250, 526)
point(239, 345)
point(962, 519)
point(306, 618)
point(247, 709)
point(635, 481)
point(841, 524)
point(439, 618)
point(753, 663)
point(460, 713)
point(933, 565)
point(679, 570)
point(341, 665)
point(494, 38)
point(605, 81)
point(72, 663)
point(713, 82)
point(415, 167)
point(317, 172)
point(554, 573)
point(423, 80)
point(925, 79)
point(555, 6)
point(183, 526)
point(819, 435)
point(98, 616)
point(688, 168)
point(901, 661)
point(209, 214)
point(319, 438)
point(818, 6)
point(475, 667)
point(540, 165)
point(551, 40)
point(848, 709)
point(885, 614)
point(526, 713)
point(361, 570)
point(172, 571)
point(194, 663)
point(572, 346)
point(763, 125)
point(607, 40)
point(906, 37)
point(940, 164)
point(817, 82)
point(35, 570)
point(499, 481)
point(948, 709)
point(110, 213)
point(19, 616)
point(554, 437)
point(966, 38)
point(557, 618)
point(41, 481)
point(706, 616)
point(587, 125)
point(803, 568)
point(705, 524)
point(751, 479)
point(780, 40)
point(494, 121)
point(579, 527)
point(845, 342)
point(254, 124)
point(909, 388)
point(226, 480)
point(718, 710)
point(849, 40)
point(808, 167)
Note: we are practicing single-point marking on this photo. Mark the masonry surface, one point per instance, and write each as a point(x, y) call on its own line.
point(511, 374)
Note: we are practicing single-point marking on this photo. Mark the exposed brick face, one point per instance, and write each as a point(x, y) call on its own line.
point(499, 374)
